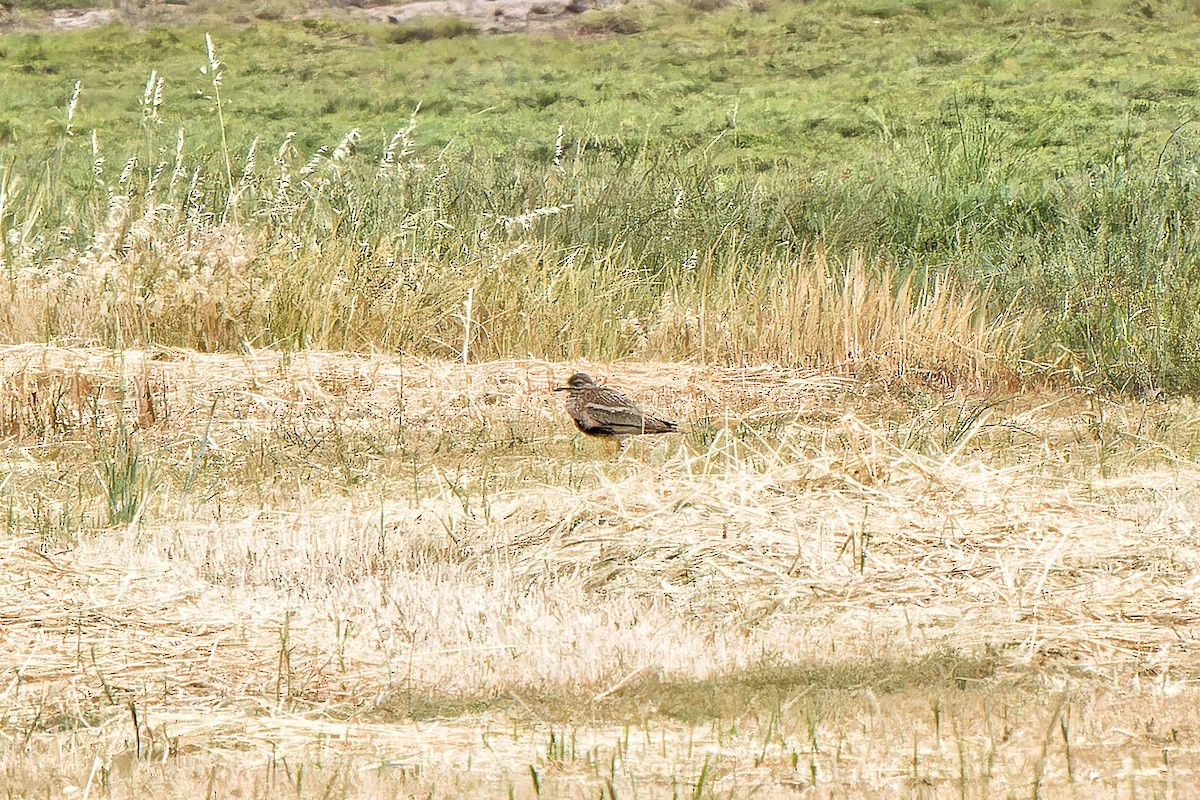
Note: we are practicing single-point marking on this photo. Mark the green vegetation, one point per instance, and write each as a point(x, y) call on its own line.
point(424, 29)
point(289, 509)
point(597, 195)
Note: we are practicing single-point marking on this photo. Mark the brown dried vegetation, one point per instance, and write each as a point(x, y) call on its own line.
point(370, 575)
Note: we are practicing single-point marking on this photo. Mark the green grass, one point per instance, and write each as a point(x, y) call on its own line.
point(599, 194)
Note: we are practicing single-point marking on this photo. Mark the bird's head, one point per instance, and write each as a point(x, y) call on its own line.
point(580, 380)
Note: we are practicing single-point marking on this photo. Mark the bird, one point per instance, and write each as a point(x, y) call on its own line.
point(601, 411)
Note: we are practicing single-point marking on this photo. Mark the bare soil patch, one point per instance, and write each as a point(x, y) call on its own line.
point(489, 15)
point(492, 16)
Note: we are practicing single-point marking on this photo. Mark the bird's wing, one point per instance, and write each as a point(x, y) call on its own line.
point(610, 408)
point(656, 424)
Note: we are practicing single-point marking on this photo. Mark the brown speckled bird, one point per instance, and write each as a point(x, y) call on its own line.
point(600, 411)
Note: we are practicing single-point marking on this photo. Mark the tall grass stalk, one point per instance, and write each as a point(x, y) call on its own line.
point(213, 71)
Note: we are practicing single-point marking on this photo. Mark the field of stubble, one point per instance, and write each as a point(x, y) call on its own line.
point(331, 575)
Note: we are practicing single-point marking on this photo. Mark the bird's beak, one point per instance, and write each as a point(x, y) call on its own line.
point(561, 389)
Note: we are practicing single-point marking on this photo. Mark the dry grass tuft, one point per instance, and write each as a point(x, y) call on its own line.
point(368, 575)
point(853, 317)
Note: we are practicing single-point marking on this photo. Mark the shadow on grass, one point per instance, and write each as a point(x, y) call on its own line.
point(761, 689)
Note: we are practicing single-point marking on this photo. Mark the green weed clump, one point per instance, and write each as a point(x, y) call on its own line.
point(428, 29)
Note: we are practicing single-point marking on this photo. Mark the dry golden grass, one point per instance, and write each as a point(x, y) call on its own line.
point(849, 314)
point(190, 277)
point(361, 576)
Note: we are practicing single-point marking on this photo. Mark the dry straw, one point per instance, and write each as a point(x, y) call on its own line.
point(432, 541)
